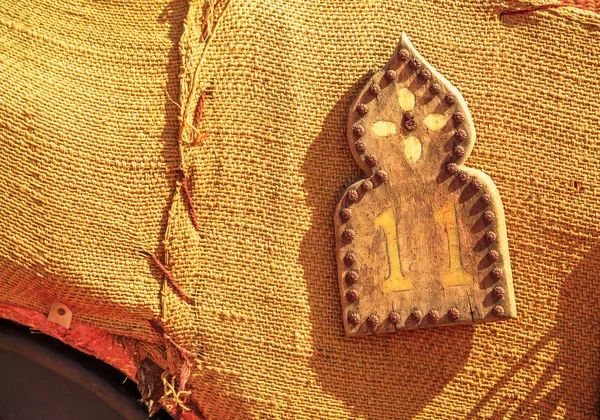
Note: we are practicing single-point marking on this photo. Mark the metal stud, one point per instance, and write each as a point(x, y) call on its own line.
point(351, 277)
point(382, 176)
point(394, 318)
point(352, 196)
point(497, 273)
point(492, 255)
point(490, 237)
point(434, 316)
point(463, 177)
point(498, 311)
point(460, 134)
point(349, 258)
point(345, 215)
point(486, 199)
point(458, 152)
point(371, 160)
point(358, 130)
point(374, 89)
point(489, 216)
point(452, 168)
point(424, 75)
point(403, 54)
point(410, 124)
point(360, 146)
point(458, 118)
point(498, 292)
point(348, 235)
point(351, 295)
point(354, 319)
point(435, 88)
point(476, 184)
point(417, 315)
point(450, 99)
point(362, 110)
point(390, 75)
point(453, 314)
point(414, 63)
point(366, 185)
point(373, 320)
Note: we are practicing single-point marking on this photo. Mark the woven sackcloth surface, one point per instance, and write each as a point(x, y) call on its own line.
point(94, 151)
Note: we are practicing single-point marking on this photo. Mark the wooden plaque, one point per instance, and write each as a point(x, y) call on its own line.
point(422, 240)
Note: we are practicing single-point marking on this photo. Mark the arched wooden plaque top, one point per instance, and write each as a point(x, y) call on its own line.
point(422, 240)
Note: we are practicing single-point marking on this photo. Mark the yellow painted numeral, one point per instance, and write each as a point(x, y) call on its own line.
point(455, 275)
point(395, 281)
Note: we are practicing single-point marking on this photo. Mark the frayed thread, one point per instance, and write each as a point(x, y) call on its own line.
point(531, 9)
point(189, 203)
point(168, 277)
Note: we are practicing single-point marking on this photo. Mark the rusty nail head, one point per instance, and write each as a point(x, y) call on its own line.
point(498, 311)
point(351, 277)
point(453, 314)
point(450, 99)
point(460, 134)
point(354, 318)
point(362, 109)
point(352, 196)
point(497, 273)
point(458, 118)
point(403, 54)
point(394, 318)
point(371, 160)
point(390, 75)
point(382, 176)
point(498, 292)
point(358, 130)
point(435, 88)
point(366, 185)
point(345, 215)
point(452, 168)
point(360, 146)
point(489, 216)
point(434, 316)
point(374, 89)
point(349, 258)
point(373, 320)
point(490, 237)
point(351, 295)
point(417, 315)
point(348, 235)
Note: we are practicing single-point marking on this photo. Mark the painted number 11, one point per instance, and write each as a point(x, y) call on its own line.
point(396, 281)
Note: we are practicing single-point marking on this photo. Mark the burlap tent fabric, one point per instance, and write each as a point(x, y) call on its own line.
point(94, 150)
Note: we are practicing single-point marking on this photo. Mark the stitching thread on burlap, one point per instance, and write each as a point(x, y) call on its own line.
point(175, 394)
point(168, 276)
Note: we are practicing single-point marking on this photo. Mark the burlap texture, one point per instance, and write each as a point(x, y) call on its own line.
point(90, 138)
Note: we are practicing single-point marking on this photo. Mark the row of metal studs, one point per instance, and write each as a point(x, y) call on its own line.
point(488, 216)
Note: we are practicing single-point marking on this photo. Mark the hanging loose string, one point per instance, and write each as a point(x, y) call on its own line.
point(168, 277)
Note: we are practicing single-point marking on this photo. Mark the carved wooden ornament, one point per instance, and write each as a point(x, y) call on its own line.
point(422, 241)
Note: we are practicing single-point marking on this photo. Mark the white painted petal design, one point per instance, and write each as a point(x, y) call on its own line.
point(384, 128)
